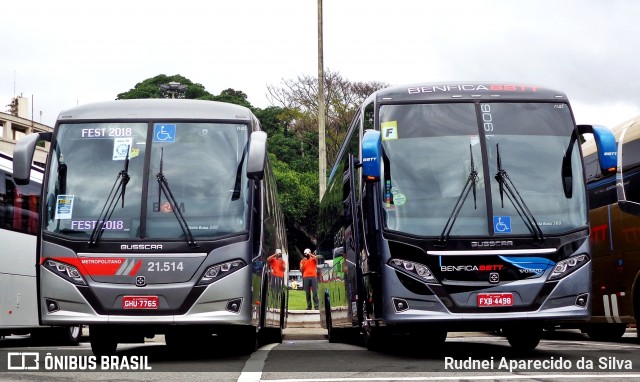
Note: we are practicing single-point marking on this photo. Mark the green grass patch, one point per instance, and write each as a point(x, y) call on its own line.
point(297, 300)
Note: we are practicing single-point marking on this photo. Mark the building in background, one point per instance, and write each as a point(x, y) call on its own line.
point(16, 124)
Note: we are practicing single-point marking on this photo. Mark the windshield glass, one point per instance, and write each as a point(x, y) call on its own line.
point(200, 165)
point(428, 150)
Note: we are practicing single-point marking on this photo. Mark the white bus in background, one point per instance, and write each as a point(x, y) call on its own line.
point(18, 228)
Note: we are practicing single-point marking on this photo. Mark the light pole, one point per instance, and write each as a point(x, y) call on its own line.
point(322, 150)
point(173, 88)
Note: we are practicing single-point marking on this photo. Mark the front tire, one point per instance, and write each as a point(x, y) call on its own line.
point(606, 332)
point(103, 341)
point(71, 335)
point(524, 339)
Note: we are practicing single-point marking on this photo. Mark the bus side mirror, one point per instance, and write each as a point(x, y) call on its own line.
point(606, 144)
point(371, 155)
point(23, 156)
point(257, 155)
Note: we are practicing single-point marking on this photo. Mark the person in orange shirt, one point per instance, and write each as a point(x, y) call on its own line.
point(277, 264)
point(309, 268)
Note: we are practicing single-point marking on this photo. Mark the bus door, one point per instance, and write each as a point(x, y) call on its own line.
point(352, 271)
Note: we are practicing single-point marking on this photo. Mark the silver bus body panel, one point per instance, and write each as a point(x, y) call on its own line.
point(558, 305)
point(209, 308)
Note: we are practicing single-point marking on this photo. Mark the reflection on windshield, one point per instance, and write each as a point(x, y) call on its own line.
point(201, 161)
point(427, 165)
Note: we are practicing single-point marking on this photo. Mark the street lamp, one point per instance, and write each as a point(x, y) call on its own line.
point(173, 88)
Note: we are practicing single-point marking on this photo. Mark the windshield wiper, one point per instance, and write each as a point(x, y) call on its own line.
point(471, 184)
point(163, 188)
point(516, 200)
point(236, 189)
point(116, 193)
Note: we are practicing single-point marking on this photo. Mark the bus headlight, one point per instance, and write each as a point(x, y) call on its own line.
point(66, 271)
point(418, 270)
point(567, 266)
point(218, 271)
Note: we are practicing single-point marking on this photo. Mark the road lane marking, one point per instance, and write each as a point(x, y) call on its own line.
point(252, 371)
point(466, 378)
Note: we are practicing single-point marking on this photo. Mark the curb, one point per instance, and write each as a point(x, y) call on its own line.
point(303, 319)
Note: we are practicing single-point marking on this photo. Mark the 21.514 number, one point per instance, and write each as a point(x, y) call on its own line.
point(164, 266)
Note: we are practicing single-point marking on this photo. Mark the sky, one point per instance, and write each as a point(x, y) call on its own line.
point(64, 53)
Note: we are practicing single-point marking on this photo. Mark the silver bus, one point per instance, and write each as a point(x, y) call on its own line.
point(457, 207)
point(18, 228)
point(157, 218)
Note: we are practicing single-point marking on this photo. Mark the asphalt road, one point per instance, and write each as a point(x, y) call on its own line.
point(306, 355)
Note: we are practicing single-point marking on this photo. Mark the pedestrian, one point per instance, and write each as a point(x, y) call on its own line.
point(309, 268)
point(277, 264)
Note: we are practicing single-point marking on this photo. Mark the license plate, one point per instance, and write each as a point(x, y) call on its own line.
point(495, 299)
point(140, 302)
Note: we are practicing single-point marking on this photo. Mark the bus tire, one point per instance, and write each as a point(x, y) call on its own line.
point(243, 340)
point(70, 335)
point(331, 333)
point(429, 338)
point(524, 340)
point(103, 341)
point(605, 332)
point(270, 336)
point(374, 338)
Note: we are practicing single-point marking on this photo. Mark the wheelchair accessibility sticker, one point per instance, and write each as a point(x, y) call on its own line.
point(163, 132)
point(502, 224)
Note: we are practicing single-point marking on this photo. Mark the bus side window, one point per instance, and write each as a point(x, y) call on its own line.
point(5, 222)
point(631, 167)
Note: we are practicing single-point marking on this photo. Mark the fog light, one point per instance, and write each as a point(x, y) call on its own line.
point(234, 305)
point(400, 305)
point(582, 299)
point(52, 305)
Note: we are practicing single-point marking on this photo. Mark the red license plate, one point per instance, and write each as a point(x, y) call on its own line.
point(140, 302)
point(495, 299)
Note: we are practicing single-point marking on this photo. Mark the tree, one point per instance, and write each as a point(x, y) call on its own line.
point(342, 99)
point(150, 88)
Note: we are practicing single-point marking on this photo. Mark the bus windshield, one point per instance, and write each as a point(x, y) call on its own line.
point(200, 163)
point(430, 151)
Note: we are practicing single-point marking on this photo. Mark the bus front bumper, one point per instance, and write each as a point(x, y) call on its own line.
point(212, 307)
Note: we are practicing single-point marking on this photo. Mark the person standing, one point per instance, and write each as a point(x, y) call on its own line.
point(277, 264)
point(309, 268)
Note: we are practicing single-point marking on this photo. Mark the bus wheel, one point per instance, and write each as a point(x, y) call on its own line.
point(374, 337)
point(606, 332)
point(243, 340)
point(176, 341)
point(331, 332)
point(270, 336)
point(102, 341)
point(524, 340)
point(71, 334)
point(429, 338)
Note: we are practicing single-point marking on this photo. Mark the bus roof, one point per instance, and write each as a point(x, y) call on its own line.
point(444, 91)
point(589, 147)
point(156, 108)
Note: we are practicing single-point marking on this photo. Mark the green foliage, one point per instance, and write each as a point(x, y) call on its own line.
point(150, 88)
point(298, 194)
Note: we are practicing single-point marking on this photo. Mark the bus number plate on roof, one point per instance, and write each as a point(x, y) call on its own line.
point(140, 302)
point(495, 299)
